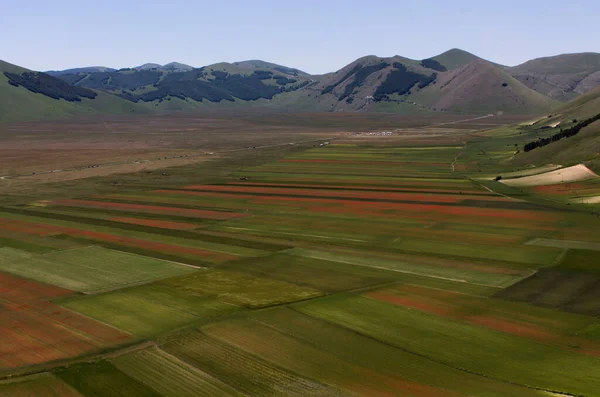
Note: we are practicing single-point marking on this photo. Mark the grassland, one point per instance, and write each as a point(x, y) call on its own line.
point(370, 266)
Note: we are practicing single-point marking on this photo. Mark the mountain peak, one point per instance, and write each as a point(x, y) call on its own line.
point(263, 65)
point(148, 66)
point(177, 66)
point(454, 58)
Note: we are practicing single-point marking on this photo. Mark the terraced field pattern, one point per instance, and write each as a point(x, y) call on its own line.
point(364, 267)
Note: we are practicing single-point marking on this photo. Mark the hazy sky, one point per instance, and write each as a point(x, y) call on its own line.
point(317, 36)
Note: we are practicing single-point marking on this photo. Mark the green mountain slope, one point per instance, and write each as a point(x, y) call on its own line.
point(173, 89)
point(21, 104)
point(582, 147)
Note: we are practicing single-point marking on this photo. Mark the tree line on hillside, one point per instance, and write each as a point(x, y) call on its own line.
point(223, 87)
point(331, 87)
point(49, 86)
point(433, 64)
point(360, 76)
point(563, 134)
point(400, 81)
point(198, 84)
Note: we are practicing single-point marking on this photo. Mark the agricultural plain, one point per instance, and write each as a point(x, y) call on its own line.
point(353, 264)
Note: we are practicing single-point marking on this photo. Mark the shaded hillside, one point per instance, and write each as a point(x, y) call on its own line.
point(44, 84)
point(561, 77)
point(367, 81)
point(26, 95)
point(214, 83)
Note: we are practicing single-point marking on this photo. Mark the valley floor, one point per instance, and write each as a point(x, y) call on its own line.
point(351, 263)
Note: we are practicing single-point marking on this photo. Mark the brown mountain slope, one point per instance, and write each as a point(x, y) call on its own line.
point(481, 87)
point(405, 86)
point(561, 77)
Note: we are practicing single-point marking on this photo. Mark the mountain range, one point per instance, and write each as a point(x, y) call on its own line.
point(454, 81)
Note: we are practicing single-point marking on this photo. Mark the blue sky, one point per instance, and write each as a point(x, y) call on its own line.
point(316, 36)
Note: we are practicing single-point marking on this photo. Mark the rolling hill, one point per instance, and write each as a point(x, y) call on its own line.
point(26, 95)
point(561, 77)
point(89, 69)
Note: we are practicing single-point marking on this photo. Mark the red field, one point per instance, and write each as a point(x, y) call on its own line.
point(332, 195)
point(409, 187)
point(567, 188)
point(205, 214)
point(48, 230)
point(374, 162)
point(155, 223)
point(35, 331)
point(380, 210)
point(477, 311)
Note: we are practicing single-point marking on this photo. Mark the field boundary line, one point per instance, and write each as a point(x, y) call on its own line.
point(560, 257)
point(403, 271)
point(93, 319)
point(458, 155)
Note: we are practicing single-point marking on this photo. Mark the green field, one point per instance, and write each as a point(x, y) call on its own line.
point(91, 268)
point(488, 353)
point(45, 385)
point(245, 372)
point(170, 376)
point(150, 310)
point(242, 289)
point(103, 379)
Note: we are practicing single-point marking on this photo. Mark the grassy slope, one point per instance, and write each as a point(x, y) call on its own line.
point(584, 146)
point(20, 104)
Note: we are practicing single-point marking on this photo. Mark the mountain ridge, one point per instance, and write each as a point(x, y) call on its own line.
point(453, 81)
